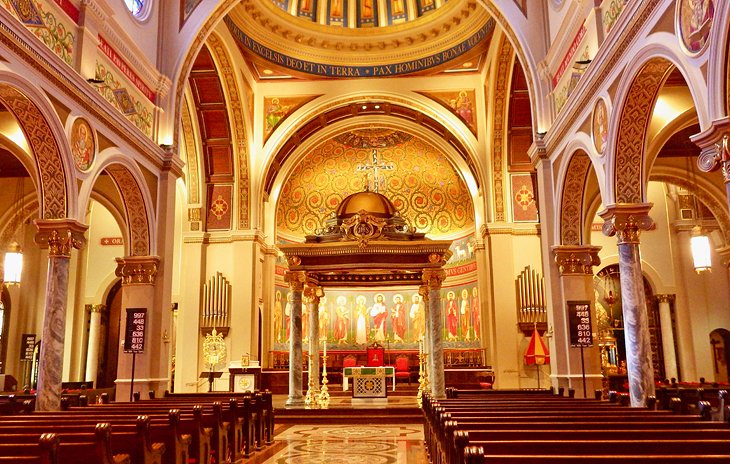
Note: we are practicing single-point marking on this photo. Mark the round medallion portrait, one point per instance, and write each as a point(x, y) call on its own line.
point(83, 146)
point(694, 21)
point(599, 125)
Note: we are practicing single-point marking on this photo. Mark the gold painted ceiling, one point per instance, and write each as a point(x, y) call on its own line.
point(363, 13)
point(371, 38)
point(423, 185)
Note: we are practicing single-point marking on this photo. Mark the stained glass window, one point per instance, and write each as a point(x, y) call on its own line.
point(135, 6)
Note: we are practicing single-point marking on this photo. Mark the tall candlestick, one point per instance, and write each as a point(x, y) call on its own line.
point(324, 342)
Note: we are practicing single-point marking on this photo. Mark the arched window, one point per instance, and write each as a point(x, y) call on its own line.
point(137, 7)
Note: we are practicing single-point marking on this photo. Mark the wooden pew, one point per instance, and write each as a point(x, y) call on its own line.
point(463, 437)
point(176, 444)
point(263, 399)
point(221, 424)
point(190, 423)
point(135, 442)
point(497, 428)
point(48, 448)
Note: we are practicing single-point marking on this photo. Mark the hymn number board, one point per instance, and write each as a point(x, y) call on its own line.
point(134, 331)
point(579, 316)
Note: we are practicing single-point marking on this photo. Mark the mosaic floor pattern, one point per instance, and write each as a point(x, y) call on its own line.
point(352, 444)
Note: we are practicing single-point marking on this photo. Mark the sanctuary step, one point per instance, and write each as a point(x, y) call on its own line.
point(343, 411)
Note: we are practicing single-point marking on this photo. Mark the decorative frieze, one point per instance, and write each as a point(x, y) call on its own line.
point(60, 236)
point(137, 270)
point(626, 221)
point(576, 259)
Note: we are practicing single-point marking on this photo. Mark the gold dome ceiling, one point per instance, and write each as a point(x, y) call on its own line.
point(362, 13)
point(372, 38)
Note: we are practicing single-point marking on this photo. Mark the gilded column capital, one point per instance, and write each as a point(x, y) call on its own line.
point(665, 298)
point(576, 259)
point(714, 143)
point(423, 292)
point(626, 221)
point(433, 278)
point(60, 236)
point(137, 270)
point(296, 280)
point(313, 293)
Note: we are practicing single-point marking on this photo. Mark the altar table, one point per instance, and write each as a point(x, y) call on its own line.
point(368, 381)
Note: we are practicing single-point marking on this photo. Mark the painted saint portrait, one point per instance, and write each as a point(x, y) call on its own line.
point(83, 146)
point(694, 21)
point(599, 129)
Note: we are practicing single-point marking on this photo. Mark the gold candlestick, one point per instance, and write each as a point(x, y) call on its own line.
point(324, 396)
point(311, 399)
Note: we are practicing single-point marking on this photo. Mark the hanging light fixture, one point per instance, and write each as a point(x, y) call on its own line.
point(699, 242)
point(700, 245)
point(13, 262)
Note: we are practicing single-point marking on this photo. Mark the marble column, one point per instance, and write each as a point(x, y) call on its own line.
point(575, 266)
point(139, 278)
point(59, 236)
point(92, 352)
point(313, 294)
point(665, 320)
point(423, 292)
point(626, 221)
point(433, 279)
point(296, 281)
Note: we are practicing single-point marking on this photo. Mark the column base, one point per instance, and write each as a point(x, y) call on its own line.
point(295, 401)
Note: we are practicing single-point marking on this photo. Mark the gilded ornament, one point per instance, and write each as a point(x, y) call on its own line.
point(214, 349)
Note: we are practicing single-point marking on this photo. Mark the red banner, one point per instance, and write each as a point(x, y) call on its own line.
point(569, 54)
point(69, 9)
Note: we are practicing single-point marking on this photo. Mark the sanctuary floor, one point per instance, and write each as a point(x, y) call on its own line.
point(340, 444)
point(354, 434)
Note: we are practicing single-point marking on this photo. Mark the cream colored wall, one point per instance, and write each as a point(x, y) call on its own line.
point(100, 263)
point(508, 255)
point(143, 34)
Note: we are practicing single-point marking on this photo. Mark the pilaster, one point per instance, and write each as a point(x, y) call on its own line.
point(139, 277)
point(575, 266)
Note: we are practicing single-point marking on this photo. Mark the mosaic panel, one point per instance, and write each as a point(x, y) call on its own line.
point(53, 31)
point(423, 186)
point(694, 21)
point(524, 199)
point(220, 199)
point(278, 108)
point(461, 103)
point(113, 91)
point(352, 319)
point(83, 145)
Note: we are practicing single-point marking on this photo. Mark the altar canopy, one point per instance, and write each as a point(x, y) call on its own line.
point(366, 243)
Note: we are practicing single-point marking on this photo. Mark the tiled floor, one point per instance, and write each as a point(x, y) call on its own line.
point(340, 444)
